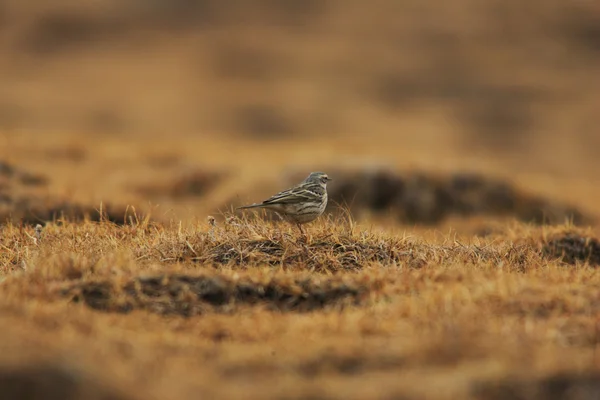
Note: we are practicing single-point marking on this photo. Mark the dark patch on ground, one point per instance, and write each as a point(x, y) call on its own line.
point(51, 383)
point(57, 32)
point(571, 248)
point(23, 201)
point(350, 364)
point(73, 154)
point(328, 363)
point(566, 386)
point(263, 122)
point(192, 295)
point(246, 62)
point(424, 198)
point(10, 175)
point(191, 184)
point(32, 210)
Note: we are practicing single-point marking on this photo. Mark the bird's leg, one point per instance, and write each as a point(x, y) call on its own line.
point(301, 230)
point(303, 238)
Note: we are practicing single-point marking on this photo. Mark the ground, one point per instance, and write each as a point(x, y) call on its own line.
point(458, 257)
point(478, 304)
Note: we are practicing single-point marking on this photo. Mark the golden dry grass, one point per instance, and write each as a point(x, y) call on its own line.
point(249, 308)
point(168, 306)
point(454, 133)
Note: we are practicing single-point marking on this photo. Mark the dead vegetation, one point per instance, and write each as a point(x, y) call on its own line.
point(433, 282)
point(187, 295)
point(252, 300)
point(330, 248)
point(242, 244)
point(334, 246)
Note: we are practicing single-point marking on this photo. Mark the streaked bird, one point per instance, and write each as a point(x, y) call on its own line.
point(303, 203)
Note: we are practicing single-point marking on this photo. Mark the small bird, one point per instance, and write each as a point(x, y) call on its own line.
point(303, 203)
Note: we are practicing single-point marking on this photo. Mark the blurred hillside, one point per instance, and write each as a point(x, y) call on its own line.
point(498, 72)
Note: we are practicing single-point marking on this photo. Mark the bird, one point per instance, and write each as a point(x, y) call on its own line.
point(300, 204)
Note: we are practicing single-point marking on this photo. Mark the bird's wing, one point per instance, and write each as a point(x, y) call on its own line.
point(291, 196)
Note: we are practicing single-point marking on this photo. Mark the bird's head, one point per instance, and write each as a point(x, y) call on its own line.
point(318, 177)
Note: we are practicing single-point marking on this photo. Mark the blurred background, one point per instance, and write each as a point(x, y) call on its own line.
point(501, 86)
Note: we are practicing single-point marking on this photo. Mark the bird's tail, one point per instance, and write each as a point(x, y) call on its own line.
point(250, 206)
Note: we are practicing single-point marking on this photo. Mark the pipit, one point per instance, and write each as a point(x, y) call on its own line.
point(303, 203)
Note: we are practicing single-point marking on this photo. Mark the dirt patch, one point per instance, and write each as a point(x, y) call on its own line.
point(192, 295)
point(51, 383)
point(23, 201)
point(190, 184)
point(328, 363)
point(12, 175)
point(68, 152)
point(32, 210)
point(351, 364)
point(263, 122)
point(573, 248)
point(557, 387)
point(425, 198)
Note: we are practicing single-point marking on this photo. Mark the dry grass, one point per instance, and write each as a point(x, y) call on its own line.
point(454, 134)
point(251, 307)
point(476, 306)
